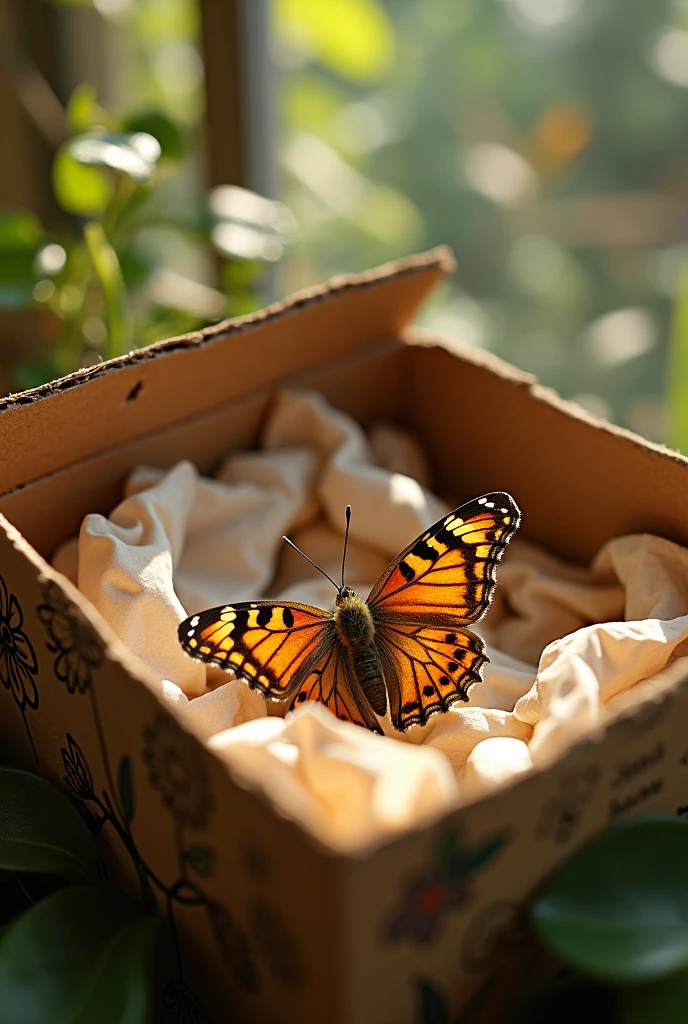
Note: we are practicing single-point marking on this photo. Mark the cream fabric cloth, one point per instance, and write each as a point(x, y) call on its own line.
point(569, 645)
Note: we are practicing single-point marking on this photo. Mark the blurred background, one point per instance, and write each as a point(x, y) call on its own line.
point(168, 163)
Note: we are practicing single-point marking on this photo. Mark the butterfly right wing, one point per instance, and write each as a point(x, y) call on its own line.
point(331, 682)
point(272, 645)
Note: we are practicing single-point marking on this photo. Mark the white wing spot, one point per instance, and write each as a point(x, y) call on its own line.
point(194, 622)
point(191, 632)
point(489, 504)
point(481, 501)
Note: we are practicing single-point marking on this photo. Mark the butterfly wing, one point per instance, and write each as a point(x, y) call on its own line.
point(426, 669)
point(331, 681)
point(270, 644)
point(446, 577)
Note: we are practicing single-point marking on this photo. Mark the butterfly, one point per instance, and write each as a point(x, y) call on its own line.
point(408, 643)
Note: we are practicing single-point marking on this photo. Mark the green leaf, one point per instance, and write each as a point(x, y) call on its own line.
point(19, 230)
point(162, 128)
point(20, 240)
point(83, 110)
point(619, 908)
point(75, 950)
point(107, 268)
point(135, 154)
point(84, 191)
point(658, 1002)
point(200, 859)
point(40, 829)
point(119, 987)
point(125, 781)
point(677, 369)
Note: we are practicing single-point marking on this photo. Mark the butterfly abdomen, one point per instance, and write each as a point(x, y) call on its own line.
point(356, 631)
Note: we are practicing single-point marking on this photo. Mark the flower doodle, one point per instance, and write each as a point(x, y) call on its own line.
point(18, 664)
point(71, 639)
point(177, 774)
point(77, 773)
point(444, 886)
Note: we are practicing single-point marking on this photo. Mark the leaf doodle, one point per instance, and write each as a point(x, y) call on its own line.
point(125, 782)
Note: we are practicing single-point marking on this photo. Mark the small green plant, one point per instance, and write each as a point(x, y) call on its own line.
point(72, 951)
point(616, 914)
point(104, 280)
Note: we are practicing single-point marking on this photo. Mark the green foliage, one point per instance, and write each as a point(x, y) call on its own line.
point(105, 286)
point(619, 908)
point(78, 956)
point(617, 912)
point(70, 955)
point(543, 141)
point(40, 829)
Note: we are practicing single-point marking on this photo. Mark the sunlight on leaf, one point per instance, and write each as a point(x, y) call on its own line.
point(354, 38)
point(135, 153)
point(81, 190)
point(40, 829)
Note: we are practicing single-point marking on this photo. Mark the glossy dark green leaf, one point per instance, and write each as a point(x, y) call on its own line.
point(76, 950)
point(162, 128)
point(619, 908)
point(40, 829)
point(200, 859)
point(125, 781)
point(659, 1002)
point(84, 191)
point(119, 988)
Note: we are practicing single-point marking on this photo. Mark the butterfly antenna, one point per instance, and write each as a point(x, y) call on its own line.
point(292, 545)
point(346, 540)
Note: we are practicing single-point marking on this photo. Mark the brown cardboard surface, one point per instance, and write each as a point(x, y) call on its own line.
point(271, 928)
point(43, 430)
point(578, 480)
point(364, 383)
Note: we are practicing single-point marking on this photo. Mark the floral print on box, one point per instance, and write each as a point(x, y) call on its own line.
point(175, 771)
point(18, 664)
point(445, 885)
point(71, 638)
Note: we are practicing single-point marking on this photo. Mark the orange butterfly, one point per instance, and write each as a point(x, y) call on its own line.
point(408, 640)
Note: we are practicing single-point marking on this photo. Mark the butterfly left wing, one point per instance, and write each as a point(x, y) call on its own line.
point(270, 644)
point(331, 682)
point(426, 669)
point(447, 576)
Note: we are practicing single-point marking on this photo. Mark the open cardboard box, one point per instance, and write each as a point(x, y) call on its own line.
point(270, 926)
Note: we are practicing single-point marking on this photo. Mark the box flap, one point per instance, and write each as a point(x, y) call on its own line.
point(50, 427)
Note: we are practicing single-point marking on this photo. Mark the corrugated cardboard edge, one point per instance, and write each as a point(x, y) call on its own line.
point(440, 257)
point(427, 338)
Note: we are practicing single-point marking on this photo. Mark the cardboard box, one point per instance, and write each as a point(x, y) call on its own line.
point(270, 926)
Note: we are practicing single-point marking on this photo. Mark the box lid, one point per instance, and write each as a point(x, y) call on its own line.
point(101, 406)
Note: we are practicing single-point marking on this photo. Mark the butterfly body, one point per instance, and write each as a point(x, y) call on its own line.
point(356, 631)
point(407, 645)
